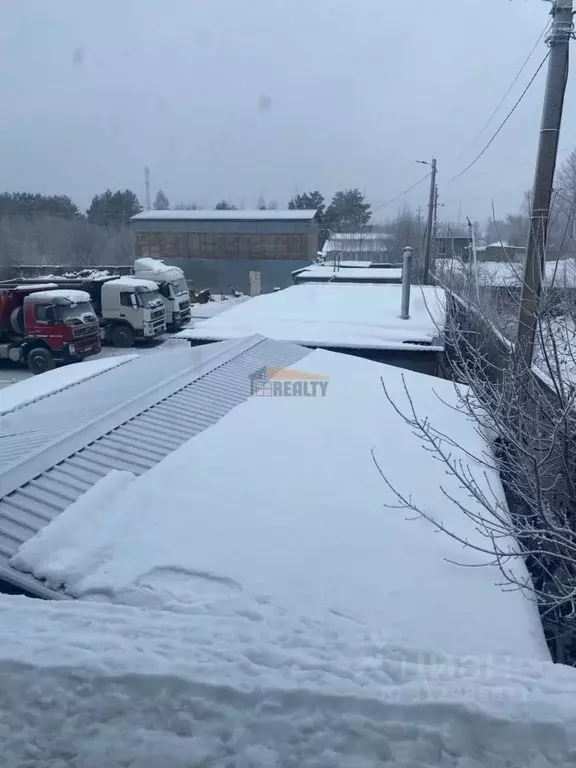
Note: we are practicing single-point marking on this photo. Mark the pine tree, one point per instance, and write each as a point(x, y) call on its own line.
point(161, 203)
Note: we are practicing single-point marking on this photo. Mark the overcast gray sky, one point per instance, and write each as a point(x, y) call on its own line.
point(241, 98)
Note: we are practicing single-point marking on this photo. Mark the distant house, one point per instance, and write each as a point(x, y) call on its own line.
point(500, 251)
point(218, 249)
point(358, 246)
point(448, 247)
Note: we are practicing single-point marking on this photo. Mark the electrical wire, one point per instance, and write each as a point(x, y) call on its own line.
point(495, 112)
point(503, 123)
point(406, 191)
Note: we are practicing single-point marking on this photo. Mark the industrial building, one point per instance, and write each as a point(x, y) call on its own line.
point(252, 251)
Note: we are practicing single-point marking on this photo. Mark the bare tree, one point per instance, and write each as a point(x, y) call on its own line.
point(530, 416)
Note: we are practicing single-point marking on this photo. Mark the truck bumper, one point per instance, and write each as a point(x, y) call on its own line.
point(153, 330)
point(86, 348)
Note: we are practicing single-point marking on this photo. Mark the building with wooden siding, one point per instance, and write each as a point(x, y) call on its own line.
point(220, 249)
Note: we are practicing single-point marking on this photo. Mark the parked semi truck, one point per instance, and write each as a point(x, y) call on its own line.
point(173, 289)
point(41, 325)
point(128, 308)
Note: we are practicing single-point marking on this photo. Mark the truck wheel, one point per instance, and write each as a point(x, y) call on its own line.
point(40, 360)
point(122, 336)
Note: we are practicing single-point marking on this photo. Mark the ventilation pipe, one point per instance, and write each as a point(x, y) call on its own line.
point(406, 278)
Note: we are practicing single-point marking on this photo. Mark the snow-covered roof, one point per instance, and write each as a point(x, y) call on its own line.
point(501, 244)
point(94, 684)
point(291, 517)
point(357, 242)
point(354, 236)
point(362, 274)
point(59, 445)
point(311, 623)
point(344, 264)
point(133, 283)
point(268, 215)
point(60, 294)
point(32, 390)
point(334, 315)
point(36, 287)
point(511, 274)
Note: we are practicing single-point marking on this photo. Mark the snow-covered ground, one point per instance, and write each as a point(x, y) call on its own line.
point(216, 307)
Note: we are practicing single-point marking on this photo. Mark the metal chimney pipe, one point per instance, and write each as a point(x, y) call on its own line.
point(406, 278)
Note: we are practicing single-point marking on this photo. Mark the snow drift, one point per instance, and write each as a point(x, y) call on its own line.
point(91, 684)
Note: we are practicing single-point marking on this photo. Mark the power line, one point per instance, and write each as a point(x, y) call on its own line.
point(503, 123)
point(406, 191)
point(495, 112)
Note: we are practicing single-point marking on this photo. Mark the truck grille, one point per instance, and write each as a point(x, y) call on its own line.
point(184, 305)
point(157, 314)
point(85, 330)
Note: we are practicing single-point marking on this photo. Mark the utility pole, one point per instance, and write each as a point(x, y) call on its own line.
point(147, 184)
point(558, 63)
point(435, 225)
point(431, 206)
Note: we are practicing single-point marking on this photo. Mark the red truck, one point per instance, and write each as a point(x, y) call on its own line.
point(41, 325)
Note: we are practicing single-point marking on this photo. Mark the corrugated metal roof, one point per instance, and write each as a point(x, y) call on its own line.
point(128, 418)
point(268, 215)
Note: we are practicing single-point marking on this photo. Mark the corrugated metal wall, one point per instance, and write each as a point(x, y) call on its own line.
point(219, 275)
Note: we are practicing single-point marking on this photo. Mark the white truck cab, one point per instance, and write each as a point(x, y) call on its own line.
point(172, 286)
point(132, 307)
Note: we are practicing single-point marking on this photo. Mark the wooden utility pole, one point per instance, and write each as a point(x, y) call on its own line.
point(558, 63)
point(435, 225)
point(431, 205)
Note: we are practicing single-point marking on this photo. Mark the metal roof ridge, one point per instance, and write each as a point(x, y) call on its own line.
point(71, 384)
point(16, 475)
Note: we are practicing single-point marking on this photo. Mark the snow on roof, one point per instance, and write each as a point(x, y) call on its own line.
point(38, 387)
point(133, 283)
point(333, 315)
point(357, 242)
point(343, 264)
point(504, 273)
point(290, 517)
point(372, 275)
point(268, 215)
point(76, 297)
point(360, 236)
point(36, 287)
point(501, 244)
point(92, 684)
